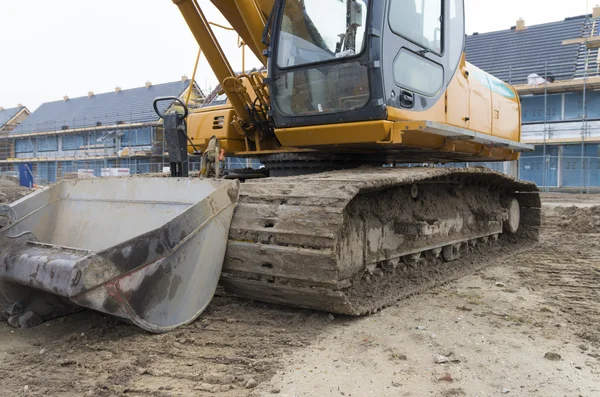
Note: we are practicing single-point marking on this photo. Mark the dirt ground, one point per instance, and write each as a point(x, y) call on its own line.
point(10, 190)
point(526, 325)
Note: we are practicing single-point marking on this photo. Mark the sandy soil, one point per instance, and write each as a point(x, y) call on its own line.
point(527, 325)
point(10, 190)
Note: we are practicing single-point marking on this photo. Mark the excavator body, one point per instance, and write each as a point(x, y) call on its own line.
point(352, 90)
point(384, 80)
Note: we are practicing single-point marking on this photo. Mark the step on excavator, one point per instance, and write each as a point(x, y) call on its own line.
point(358, 107)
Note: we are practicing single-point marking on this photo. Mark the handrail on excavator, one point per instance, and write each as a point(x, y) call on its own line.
point(241, 44)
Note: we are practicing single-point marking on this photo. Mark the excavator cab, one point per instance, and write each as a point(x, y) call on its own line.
point(338, 61)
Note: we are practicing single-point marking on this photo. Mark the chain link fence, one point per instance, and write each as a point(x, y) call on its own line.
point(562, 173)
point(44, 173)
point(48, 153)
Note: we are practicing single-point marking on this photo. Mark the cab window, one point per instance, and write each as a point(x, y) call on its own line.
point(419, 21)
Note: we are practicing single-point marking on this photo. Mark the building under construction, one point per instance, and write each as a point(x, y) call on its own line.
point(113, 130)
point(9, 119)
point(555, 67)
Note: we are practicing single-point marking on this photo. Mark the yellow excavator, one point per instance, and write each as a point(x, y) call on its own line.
point(359, 105)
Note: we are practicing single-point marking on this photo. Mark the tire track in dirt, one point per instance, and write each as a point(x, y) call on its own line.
point(565, 266)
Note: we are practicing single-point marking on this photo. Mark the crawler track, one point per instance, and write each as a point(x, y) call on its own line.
point(354, 241)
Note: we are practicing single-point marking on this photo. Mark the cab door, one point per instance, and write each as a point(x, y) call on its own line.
point(423, 43)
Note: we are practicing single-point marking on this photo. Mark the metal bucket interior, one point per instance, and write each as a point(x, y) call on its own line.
point(95, 214)
point(146, 249)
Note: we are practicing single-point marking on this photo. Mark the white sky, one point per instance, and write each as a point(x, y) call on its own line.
point(51, 48)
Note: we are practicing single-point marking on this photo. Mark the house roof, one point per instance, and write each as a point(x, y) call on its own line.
point(7, 115)
point(126, 106)
point(512, 55)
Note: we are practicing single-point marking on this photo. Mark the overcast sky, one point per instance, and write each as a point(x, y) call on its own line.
point(51, 48)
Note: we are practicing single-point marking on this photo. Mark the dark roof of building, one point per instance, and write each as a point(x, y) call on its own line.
point(7, 115)
point(512, 55)
point(126, 106)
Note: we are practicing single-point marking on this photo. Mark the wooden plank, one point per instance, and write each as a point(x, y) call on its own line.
point(576, 40)
point(564, 140)
point(593, 42)
point(559, 86)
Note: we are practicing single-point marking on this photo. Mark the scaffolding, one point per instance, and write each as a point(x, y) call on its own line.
point(132, 145)
point(565, 78)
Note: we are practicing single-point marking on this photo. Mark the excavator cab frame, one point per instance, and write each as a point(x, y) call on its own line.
point(405, 55)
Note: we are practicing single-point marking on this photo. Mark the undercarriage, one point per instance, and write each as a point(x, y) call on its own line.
point(353, 242)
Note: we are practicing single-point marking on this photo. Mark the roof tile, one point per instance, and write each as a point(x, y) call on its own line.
point(512, 55)
point(128, 106)
point(8, 114)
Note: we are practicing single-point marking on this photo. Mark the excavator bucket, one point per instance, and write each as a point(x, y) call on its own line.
point(148, 250)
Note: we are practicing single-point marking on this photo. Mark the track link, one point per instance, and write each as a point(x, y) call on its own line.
point(355, 241)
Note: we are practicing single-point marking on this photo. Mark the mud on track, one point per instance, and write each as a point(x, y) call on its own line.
point(550, 303)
